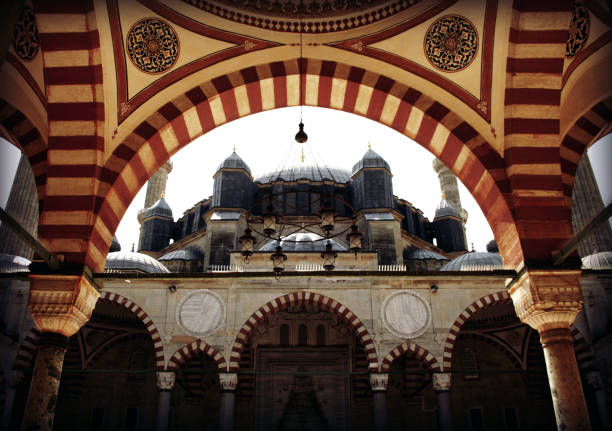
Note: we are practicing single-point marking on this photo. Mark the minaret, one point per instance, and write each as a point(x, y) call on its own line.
point(22, 205)
point(449, 187)
point(156, 188)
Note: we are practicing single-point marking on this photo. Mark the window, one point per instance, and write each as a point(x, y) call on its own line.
point(320, 335)
point(476, 421)
point(470, 364)
point(511, 419)
point(138, 363)
point(302, 335)
point(284, 335)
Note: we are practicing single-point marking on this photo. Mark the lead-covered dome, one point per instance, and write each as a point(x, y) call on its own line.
point(303, 242)
point(129, 261)
point(446, 209)
point(475, 261)
point(234, 161)
point(601, 260)
point(309, 173)
point(415, 253)
point(159, 209)
point(189, 253)
point(370, 159)
point(10, 263)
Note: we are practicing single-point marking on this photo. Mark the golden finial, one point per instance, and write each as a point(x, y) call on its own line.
point(369, 145)
point(234, 148)
point(443, 195)
point(302, 156)
point(162, 196)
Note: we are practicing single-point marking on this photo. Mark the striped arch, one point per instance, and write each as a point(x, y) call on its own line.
point(146, 320)
point(185, 352)
point(326, 84)
point(578, 138)
point(485, 301)
point(415, 350)
point(281, 303)
point(532, 125)
point(24, 361)
point(28, 139)
point(94, 356)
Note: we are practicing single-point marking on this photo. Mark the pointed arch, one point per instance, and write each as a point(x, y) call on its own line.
point(485, 301)
point(328, 84)
point(415, 350)
point(185, 352)
point(282, 302)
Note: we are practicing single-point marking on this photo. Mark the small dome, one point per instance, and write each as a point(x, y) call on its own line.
point(601, 260)
point(234, 161)
point(11, 263)
point(415, 253)
point(370, 159)
point(129, 261)
point(115, 246)
point(492, 246)
point(303, 242)
point(189, 253)
point(309, 173)
point(159, 209)
point(446, 209)
point(474, 261)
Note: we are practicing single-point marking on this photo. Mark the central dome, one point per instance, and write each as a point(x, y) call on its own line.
point(309, 173)
point(303, 242)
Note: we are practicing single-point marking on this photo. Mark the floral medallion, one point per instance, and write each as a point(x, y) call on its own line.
point(578, 31)
point(25, 36)
point(152, 45)
point(451, 43)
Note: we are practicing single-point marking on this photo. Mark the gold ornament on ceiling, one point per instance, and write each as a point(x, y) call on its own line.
point(152, 45)
point(578, 31)
point(451, 43)
point(25, 36)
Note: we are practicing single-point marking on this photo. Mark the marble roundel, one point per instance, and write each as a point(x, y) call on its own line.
point(451, 43)
point(152, 45)
point(201, 313)
point(406, 314)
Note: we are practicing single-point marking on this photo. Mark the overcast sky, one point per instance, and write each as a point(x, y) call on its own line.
point(336, 139)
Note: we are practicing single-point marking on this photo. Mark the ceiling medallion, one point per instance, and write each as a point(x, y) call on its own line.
point(152, 45)
point(25, 35)
point(578, 31)
point(451, 43)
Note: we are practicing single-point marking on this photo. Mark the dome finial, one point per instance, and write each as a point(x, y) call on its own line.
point(302, 155)
point(132, 247)
point(369, 145)
point(234, 148)
point(162, 196)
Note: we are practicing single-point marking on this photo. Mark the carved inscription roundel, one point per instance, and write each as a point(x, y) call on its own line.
point(152, 45)
point(406, 314)
point(201, 313)
point(451, 43)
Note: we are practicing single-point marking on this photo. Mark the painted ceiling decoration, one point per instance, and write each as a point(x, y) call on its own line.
point(152, 45)
point(317, 14)
point(578, 31)
point(451, 43)
point(25, 35)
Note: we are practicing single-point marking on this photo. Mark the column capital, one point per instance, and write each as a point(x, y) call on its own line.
point(61, 303)
point(228, 381)
point(379, 382)
point(165, 380)
point(441, 382)
point(547, 298)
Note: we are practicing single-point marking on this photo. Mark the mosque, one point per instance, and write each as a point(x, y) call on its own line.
point(308, 298)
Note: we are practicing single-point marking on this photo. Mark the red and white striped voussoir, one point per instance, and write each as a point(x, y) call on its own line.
point(415, 351)
point(187, 351)
point(281, 303)
point(146, 320)
point(24, 360)
point(485, 301)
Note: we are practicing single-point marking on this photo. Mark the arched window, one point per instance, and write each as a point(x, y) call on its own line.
point(320, 335)
point(284, 335)
point(470, 364)
point(138, 363)
point(303, 335)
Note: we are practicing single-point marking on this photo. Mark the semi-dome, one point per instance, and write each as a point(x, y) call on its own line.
point(189, 253)
point(446, 209)
point(370, 159)
point(474, 261)
point(303, 242)
point(601, 260)
point(492, 246)
point(234, 161)
point(159, 209)
point(415, 253)
point(309, 173)
point(11, 263)
point(129, 261)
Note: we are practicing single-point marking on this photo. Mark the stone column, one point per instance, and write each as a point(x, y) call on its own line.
point(593, 380)
point(165, 383)
point(14, 380)
point(442, 384)
point(60, 305)
point(548, 300)
point(379, 383)
point(228, 383)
